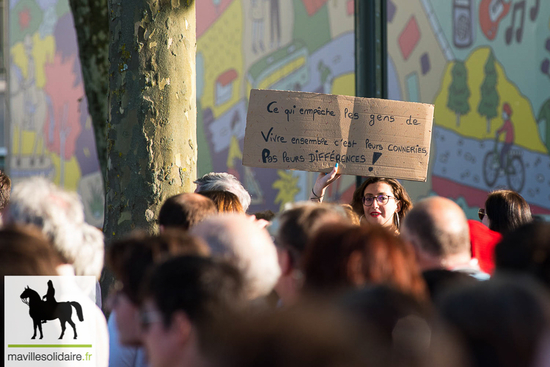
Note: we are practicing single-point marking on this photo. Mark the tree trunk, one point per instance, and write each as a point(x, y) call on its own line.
point(92, 29)
point(488, 125)
point(152, 151)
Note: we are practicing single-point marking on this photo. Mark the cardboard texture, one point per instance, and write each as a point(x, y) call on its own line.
point(313, 132)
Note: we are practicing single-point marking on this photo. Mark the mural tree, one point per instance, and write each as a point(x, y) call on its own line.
point(151, 142)
point(459, 92)
point(544, 115)
point(488, 105)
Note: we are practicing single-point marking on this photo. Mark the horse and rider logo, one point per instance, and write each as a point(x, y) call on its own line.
point(42, 311)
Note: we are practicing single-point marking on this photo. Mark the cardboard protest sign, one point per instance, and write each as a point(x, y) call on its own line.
point(313, 132)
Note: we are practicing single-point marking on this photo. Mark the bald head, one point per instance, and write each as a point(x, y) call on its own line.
point(439, 227)
point(239, 239)
point(185, 210)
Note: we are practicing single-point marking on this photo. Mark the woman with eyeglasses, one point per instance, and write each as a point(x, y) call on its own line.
point(505, 210)
point(378, 200)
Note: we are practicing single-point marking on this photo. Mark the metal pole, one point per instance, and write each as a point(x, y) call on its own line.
point(371, 76)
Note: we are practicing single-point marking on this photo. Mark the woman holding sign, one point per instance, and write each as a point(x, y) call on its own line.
point(382, 201)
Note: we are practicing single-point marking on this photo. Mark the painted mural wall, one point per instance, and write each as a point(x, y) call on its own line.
point(485, 64)
point(303, 45)
point(51, 131)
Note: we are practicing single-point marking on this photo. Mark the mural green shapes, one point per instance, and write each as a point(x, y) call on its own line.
point(488, 105)
point(459, 92)
point(26, 22)
point(62, 7)
point(204, 158)
point(313, 30)
point(287, 184)
point(544, 115)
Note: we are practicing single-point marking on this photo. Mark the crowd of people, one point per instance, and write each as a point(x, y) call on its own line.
point(381, 281)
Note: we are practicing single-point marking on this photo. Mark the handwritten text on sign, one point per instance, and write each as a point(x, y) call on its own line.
point(313, 132)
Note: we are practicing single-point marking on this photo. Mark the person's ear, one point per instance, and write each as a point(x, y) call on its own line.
point(182, 327)
point(398, 206)
point(284, 261)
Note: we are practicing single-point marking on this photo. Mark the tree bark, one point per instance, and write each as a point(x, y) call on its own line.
point(151, 142)
point(92, 29)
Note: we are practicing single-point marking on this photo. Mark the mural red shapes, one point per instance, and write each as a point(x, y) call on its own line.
point(24, 18)
point(208, 11)
point(313, 6)
point(62, 127)
point(409, 37)
point(491, 13)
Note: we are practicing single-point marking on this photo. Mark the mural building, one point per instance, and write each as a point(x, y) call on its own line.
point(484, 64)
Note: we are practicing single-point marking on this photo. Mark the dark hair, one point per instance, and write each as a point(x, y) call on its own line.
point(225, 201)
point(506, 210)
point(25, 251)
point(401, 326)
point(298, 224)
point(398, 190)
point(303, 336)
point(5, 188)
point(206, 290)
point(185, 210)
point(266, 214)
point(130, 258)
point(340, 256)
point(526, 250)
point(501, 320)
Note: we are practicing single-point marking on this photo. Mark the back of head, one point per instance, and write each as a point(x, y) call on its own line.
point(305, 336)
point(238, 239)
point(224, 182)
point(225, 201)
point(131, 257)
point(437, 226)
point(502, 320)
point(295, 226)
point(507, 210)
point(526, 250)
point(343, 256)
point(206, 290)
point(185, 210)
point(60, 216)
point(25, 251)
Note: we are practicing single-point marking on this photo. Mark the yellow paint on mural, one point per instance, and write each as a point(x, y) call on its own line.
point(19, 58)
point(71, 172)
point(287, 184)
point(234, 152)
point(28, 140)
point(281, 73)
point(344, 85)
point(474, 125)
point(43, 51)
point(221, 47)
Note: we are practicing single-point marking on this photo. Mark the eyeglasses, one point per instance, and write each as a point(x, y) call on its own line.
point(481, 213)
point(381, 199)
point(146, 318)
